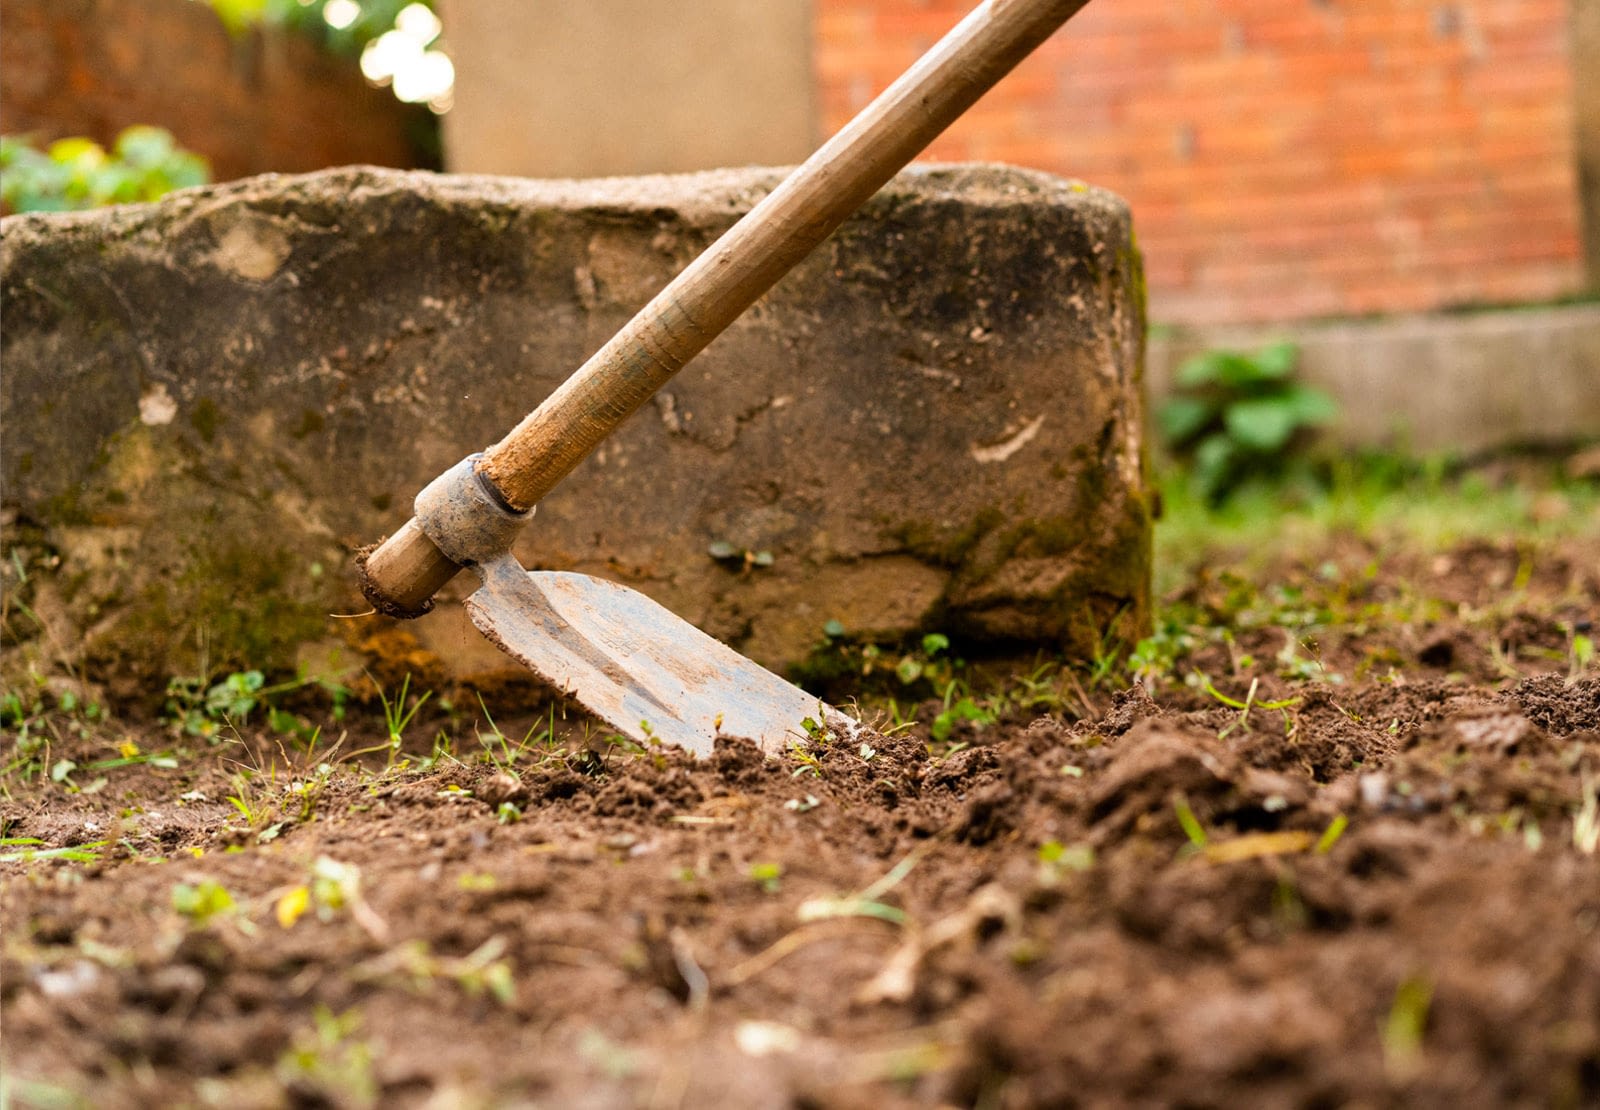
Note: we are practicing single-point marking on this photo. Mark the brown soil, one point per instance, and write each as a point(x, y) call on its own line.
point(1388, 892)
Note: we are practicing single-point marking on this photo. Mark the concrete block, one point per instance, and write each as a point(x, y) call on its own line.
point(1444, 382)
point(210, 402)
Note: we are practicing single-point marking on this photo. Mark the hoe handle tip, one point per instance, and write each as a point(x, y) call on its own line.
point(401, 575)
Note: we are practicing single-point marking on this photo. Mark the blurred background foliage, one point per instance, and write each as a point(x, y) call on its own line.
point(143, 164)
point(352, 24)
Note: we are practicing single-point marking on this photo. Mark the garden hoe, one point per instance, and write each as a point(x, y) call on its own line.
point(621, 656)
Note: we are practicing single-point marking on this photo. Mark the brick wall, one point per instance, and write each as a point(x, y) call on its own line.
point(262, 102)
point(1284, 158)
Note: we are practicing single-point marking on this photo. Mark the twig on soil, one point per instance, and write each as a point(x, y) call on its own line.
point(1255, 845)
point(897, 980)
point(784, 946)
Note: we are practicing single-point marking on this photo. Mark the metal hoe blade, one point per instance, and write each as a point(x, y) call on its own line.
point(635, 665)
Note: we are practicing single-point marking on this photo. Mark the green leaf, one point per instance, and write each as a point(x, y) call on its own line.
point(935, 642)
point(1213, 465)
point(142, 145)
point(1312, 406)
point(1183, 418)
point(202, 901)
point(1225, 368)
point(1263, 424)
point(1277, 361)
point(185, 170)
point(1201, 369)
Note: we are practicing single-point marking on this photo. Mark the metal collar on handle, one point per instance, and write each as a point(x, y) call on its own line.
point(465, 517)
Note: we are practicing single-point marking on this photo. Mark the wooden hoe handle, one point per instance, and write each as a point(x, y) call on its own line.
point(402, 574)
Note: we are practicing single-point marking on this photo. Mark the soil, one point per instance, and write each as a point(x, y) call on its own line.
point(1379, 885)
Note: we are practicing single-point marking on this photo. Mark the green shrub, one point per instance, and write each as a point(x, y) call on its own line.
point(144, 164)
point(1237, 417)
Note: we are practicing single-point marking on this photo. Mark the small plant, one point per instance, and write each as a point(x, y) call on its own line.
point(1236, 417)
point(331, 1061)
point(1330, 836)
point(308, 790)
point(1057, 859)
point(1244, 707)
point(144, 164)
point(959, 707)
point(767, 875)
point(1403, 1031)
point(1581, 654)
point(398, 714)
point(1193, 830)
point(200, 707)
point(202, 901)
point(25, 849)
point(737, 558)
point(866, 903)
point(1586, 822)
point(484, 971)
point(333, 888)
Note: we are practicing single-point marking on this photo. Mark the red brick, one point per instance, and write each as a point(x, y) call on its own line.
point(1284, 160)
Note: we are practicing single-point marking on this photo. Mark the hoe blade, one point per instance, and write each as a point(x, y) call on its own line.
point(647, 673)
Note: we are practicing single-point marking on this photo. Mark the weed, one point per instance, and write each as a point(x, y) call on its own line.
point(767, 875)
point(1402, 1031)
point(738, 558)
point(808, 755)
point(1331, 835)
point(1236, 417)
point(1586, 822)
point(958, 707)
point(257, 810)
point(329, 1059)
point(199, 707)
point(1056, 859)
point(504, 753)
point(1190, 824)
point(1155, 658)
point(1245, 706)
point(129, 755)
point(866, 903)
point(203, 901)
point(482, 971)
point(1581, 654)
point(26, 852)
point(398, 714)
point(308, 790)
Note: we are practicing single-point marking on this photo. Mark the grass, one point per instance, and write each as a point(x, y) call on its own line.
point(1427, 504)
point(65, 741)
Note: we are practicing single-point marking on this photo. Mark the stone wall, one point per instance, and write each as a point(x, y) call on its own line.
point(210, 402)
